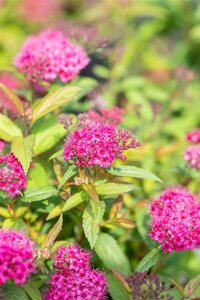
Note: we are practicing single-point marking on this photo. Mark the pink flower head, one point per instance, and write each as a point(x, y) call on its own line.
point(2, 145)
point(113, 115)
point(98, 144)
point(192, 156)
point(72, 258)
point(175, 220)
point(75, 279)
point(12, 83)
point(16, 256)
point(193, 136)
point(50, 55)
point(12, 177)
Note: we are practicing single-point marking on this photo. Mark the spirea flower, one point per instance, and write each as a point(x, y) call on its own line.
point(175, 220)
point(73, 278)
point(50, 55)
point(98, 144)
point(12, 177)
point(193, 136)
point(113, 115)
point(72, 258)
point(16, 256)
point(144, 286)
point(192, 156)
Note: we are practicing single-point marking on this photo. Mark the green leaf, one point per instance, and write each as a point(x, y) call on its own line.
point(13, 98)
point(92, 218)
point(22, 148)
point(149, 260)
point(4, 212)
point(74, 200)
point(36, 194)
point(115, 289)
point(142, 219)
point(53, 233)
point(71, 171)
point(56, 154)
point(8, 130)
point(191, 286)
point(38, 177)
point(56, 211)
point(131, 171)
point(47, 138)
point(111, 254)
point(13, 292)
point(91, 190)
point(107, 189)
point(32, 291)
point(54, 100)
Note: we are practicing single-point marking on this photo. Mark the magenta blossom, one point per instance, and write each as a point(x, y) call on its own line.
point(175, 220)
point(75, 279)
point(98, 144)
point(193, 136)
point(16, 256)
point(192, 156)
point(50, 55)
point(12, 177)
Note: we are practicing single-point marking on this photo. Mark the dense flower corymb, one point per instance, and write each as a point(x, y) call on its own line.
point(16, 256)
point(113, 115)
point(73, 278)
point(192, 156)
point(98, 144)
point(49, 56)
point(175, 220)
point(12, 177)
point(193, 136)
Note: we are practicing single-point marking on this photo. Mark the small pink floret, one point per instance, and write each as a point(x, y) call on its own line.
point(192, 156)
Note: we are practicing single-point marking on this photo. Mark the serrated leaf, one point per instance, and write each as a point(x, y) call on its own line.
point(47, 138)
point(13, 98)
point(53, 233)
point(22, 148)
point(115, 289)
point(191, 286)
point(107, 189)
point(13, 292)
point(71, 171)
point(131, 171)
point(149, 260)
point(92, 218)
point(32, 291)
point(74, 200)
point(111, 254)
point(8, 130)
point(36, 194)
point(54, 100)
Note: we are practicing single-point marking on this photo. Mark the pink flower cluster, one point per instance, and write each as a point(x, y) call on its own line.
point(16, 256)
point(12, 177)
point(175, 220)
point(113, 115)
point(98, 144)
point(74, 279)
point(192, 153)
point(50, 55)
point(193, 136)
